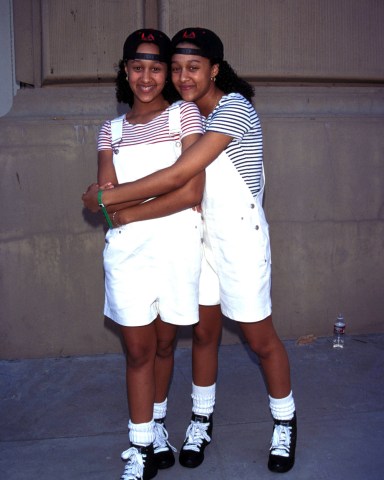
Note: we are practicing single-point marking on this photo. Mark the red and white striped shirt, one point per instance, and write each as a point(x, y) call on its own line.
point(155, 131)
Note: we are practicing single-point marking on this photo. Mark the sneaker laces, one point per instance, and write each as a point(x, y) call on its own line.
point(161, 444)
point(195, 436)
point(134, 468)
point(281, 440)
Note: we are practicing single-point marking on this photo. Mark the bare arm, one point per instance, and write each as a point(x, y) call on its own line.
point(192, 162)
point(182, 198)
point(105, 169)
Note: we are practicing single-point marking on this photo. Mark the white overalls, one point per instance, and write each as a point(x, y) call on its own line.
point(152, 267)
point(236, 269)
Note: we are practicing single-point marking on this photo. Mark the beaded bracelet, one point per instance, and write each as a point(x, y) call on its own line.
point(116, 225)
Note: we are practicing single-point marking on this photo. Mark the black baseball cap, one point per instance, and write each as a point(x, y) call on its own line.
point(147, 35)
point(208, 43)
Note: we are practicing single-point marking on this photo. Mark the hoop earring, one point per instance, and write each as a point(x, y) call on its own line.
point(213, 78)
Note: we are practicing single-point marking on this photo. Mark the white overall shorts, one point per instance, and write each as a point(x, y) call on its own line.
point(152, 267)
point(236, 268)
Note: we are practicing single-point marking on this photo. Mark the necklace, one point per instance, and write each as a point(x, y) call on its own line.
point(216, 102)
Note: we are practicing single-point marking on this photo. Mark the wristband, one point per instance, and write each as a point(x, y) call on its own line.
point(103, 209)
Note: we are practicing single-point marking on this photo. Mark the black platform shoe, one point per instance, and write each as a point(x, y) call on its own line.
point(162, 448)
point(141, 463)
point(283, 445)
point(198, 436)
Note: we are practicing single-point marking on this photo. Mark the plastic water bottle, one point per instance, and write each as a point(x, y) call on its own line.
point(339, 332)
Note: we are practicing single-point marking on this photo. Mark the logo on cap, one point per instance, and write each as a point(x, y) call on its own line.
point(189, 35)
point(148, 38)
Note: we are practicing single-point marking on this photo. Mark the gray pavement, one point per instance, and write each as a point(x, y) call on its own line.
point(65, 418)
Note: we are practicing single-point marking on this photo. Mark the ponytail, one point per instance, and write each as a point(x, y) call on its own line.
point(229, 82)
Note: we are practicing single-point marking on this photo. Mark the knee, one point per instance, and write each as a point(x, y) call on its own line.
point(139, 355)
point(203, 337)
point(262, 338)
point(267, 347)
point(262, 350)
point(165, 350)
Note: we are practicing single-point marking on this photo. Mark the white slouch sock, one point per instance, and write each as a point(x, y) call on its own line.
point(203, 399)
point(142, 434)
point(160, 410)
point(282, 408)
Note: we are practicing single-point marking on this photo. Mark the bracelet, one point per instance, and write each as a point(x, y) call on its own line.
point(102, 206)
point(116, 225)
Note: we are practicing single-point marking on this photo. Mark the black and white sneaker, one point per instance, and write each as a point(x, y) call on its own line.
point(141, 463)
point(283, 445)
point(162, 448)
point(198, 436)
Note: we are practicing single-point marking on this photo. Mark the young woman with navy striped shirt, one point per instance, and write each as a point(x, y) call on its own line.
point(236, 269)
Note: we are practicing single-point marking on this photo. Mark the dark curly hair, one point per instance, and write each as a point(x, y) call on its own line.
point(124, 93)
point(229, 82)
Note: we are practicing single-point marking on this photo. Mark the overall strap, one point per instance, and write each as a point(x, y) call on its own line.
point(260, 193)
point(117, 131)
point(174, 119)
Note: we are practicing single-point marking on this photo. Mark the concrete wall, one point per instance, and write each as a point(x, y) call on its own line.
point(7, 74)
point(324, 146)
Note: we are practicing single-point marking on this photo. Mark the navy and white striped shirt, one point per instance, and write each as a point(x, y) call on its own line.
point(236, 117)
